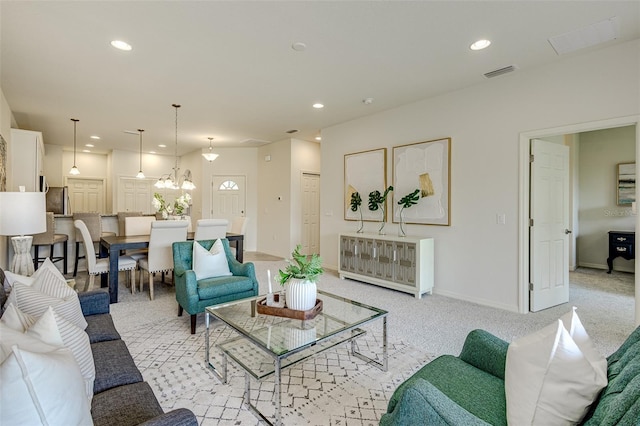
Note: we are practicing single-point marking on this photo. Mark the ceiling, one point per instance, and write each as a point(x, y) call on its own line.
point(232, 67)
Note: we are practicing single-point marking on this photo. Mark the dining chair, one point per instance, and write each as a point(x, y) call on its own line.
point(122, 216)
point(101, 266)
point(160, 256)
point(211, 229)
point(50, 238)
point(137, 225)
point(238, 226)
point(93, 221)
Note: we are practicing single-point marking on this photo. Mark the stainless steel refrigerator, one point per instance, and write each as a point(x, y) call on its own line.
point(58, 200)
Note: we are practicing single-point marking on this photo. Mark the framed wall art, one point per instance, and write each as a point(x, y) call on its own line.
point(626, 184)
point(425, 166)
point(364, 172)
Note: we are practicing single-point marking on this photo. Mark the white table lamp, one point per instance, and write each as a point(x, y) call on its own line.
point(22, 213)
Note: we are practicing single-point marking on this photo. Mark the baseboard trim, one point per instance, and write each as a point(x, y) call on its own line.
point(476, 300)
point(605, 267)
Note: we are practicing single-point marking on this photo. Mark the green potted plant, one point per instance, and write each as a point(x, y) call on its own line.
point(406, 202)
point(356, 202)
point(378, 201)
point(300, 277)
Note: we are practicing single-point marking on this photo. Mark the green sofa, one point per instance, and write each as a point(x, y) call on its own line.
point(469, 389)
point(193, 295)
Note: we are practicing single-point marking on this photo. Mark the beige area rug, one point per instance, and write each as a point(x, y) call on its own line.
point(330, 388)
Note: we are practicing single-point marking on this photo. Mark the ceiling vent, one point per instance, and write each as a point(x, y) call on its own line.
point(501, 71)
point(588, 36)
point(292, 131)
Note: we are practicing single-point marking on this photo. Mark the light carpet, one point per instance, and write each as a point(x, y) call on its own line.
point(330, 388)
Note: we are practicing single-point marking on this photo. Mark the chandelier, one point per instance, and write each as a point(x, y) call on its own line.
point(173, 180)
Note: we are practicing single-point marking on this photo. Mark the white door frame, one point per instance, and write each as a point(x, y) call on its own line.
point(523, 197)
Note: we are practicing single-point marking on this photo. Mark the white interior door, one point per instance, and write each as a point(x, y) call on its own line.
point(228, 196)
point(310, 213)
point(134, 195)
point(86, 195)
point(549, 234)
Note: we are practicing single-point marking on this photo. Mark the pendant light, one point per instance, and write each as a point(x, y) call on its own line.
point(140, 175)
point(74, 170)
point(210, 156)
point(171, 180)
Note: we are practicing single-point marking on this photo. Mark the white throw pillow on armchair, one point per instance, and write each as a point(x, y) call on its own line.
point(549, 380)
point(210, 263)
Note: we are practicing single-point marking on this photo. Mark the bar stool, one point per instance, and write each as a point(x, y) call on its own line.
point(50, 238)
point(94, 224)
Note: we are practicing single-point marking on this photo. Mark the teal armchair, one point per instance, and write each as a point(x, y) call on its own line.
point(193, 296)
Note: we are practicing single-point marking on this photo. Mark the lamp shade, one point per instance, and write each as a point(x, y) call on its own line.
point(22, 213)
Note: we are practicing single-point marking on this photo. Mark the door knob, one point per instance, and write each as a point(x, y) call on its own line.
point(566, 231)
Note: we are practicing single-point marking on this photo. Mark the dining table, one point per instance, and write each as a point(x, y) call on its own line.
point(112, 245)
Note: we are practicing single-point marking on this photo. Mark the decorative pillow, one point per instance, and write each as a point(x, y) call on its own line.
point(579, 335)
point(11, 337)
point(47, 266)
point(51, 328)
point(548, 380)
point(17, 320)
point(42, 388)
point(212, 263)
point(35, 303)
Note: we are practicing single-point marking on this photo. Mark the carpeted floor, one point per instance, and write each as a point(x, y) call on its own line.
point(172, 360)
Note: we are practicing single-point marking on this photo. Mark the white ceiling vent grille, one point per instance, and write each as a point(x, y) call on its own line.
point(501, 71)
point(588, 36)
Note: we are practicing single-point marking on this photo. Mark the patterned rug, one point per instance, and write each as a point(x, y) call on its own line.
point(330, 388)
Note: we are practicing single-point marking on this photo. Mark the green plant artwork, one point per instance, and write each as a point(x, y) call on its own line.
point(406, 202)
point(377, 201)
point(356, 202)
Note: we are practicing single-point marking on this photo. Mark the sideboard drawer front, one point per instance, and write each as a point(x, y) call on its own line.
point(623, 249)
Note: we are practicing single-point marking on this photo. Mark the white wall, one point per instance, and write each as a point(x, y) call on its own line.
point(5, 131)
point(600, 152)
point(274, 189)
point(477, 259)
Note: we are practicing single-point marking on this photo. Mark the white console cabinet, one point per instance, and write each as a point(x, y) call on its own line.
point(399, 263)
point(27, 159)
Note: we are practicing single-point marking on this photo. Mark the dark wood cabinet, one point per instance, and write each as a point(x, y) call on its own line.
point(621, 244)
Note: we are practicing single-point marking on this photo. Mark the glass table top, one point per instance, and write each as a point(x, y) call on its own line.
point(281, 336)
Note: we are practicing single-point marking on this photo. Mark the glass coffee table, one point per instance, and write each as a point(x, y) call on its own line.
point(267, 344)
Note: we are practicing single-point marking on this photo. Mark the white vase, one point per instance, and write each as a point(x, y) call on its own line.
point(301, 294)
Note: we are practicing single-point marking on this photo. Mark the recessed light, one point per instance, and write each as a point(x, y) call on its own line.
point(299, 47)
point(86, 150)
point(152, 152)
point(121, 45)
point(367, 101)
point(94, 137)
point(318, 106)
point(90, 145)
point(480, 44)
point(162, 146)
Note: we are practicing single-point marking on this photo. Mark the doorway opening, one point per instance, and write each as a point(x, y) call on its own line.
point(524, 258)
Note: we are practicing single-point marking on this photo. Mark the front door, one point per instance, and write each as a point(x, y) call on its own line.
point(549, 263)
point(228, 196)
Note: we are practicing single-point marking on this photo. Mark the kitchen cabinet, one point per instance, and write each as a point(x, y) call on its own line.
point(27, 158)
